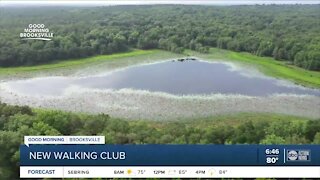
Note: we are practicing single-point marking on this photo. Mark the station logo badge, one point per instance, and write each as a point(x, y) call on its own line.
point(298, 155)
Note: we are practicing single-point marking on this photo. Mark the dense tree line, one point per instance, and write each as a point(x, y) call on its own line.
point(285, 32)
point(17, 122)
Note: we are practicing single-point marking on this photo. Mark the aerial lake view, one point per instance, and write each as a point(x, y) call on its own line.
point(184, 76)
point(200, 72)
point(162, 89)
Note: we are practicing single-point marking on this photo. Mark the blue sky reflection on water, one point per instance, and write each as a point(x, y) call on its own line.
point(173, 77)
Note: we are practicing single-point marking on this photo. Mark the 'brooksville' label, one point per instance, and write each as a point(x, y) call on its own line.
point(37, 31)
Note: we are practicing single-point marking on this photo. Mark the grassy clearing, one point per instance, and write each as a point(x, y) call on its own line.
point(267, 65)
point(77, 62)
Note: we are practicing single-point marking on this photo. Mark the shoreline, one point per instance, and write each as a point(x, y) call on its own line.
point(266, 65)
point(77, 67)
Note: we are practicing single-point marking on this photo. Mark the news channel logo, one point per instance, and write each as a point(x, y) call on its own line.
point(298, 155)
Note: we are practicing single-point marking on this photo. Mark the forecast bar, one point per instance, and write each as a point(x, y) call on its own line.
point(168, 172)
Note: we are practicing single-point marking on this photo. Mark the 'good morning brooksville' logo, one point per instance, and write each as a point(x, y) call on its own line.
point(36, 31)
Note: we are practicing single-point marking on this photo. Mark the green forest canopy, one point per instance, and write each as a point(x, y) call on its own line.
point(285, 32)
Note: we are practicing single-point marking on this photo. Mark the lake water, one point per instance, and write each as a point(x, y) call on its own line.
point(174, 77)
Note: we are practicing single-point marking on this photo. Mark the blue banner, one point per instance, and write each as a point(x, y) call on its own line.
point(169, 155)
